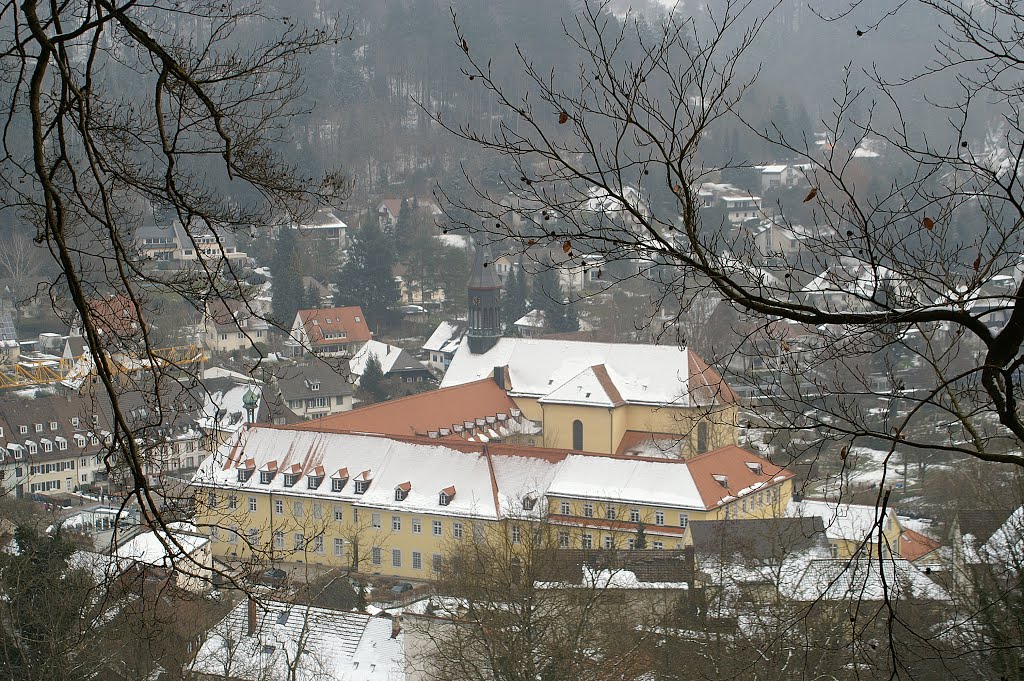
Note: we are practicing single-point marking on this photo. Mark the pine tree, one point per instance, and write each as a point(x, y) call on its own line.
point(287, 289)
point(641, 537)
point(404, 230)
point(559, 316)
point(366, 278)
point(513, 299)
point(372, 384)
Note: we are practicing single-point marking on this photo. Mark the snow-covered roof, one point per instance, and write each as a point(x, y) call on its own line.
point(429, 467)
point(590, 386)
point(442, 336)
point(150, 548)
point(224, 410)
point(386, 354)
point(853, 522)
point(532, 319)
point(489, 482)
point(612, 579)
point(626, 480)
point(860, 580)
point(322, 644)
point(642, 374)
point(1006, 545)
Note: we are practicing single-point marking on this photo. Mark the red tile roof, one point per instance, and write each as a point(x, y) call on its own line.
point(669, 443)
point(730, 462)
point(349, 320)
point(914, 545)
point(607, 384)
point(422, 413)
point(706, 386)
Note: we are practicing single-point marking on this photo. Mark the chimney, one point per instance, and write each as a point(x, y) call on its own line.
point(499, 377)
point(251, 628)
point(396, 625)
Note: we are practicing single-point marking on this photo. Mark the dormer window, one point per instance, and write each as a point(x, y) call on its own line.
point(445, 496)
point(363, 481)
point(75, 421)
point(53, 425)
point(315, 385)
point(244, 474)
point(268, 472)
point(721, 480)
point(529, 502)
point(315, 477)
point(402, 491)
point(79, 439)
point(755, 468)
point(339, 479)
point(292, 475)
point(23, 430)
point(39, 427)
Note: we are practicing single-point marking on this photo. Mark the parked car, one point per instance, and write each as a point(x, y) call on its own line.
point(401, 588)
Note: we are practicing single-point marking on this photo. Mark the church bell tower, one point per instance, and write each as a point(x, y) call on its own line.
point(484, 291)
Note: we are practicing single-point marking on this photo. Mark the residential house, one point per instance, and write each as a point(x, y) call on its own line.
point(313, 390)
point(270, 639)
point(323, 293)
point(443, 343)
point(739, 205)
point(394, 362)
point(52, 444)
point(233, 325)
point(389, 209)
point(530, 325)
point(229, 403)
point(745, 560)
point(781, 176)
point(853, 530)
point(181, 557)
point(393, 504)
point(324, 225)
point(331, 332)
point(175, 247)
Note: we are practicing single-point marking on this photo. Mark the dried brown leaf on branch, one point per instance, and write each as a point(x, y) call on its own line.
point(563, 117)
point(811, 194)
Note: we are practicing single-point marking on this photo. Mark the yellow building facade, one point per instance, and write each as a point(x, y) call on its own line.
point(390, 506)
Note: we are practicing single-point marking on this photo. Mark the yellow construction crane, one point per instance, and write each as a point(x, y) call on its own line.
point(47, 369)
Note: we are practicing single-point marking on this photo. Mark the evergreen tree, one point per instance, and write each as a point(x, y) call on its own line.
point(287, 289)
point(404, 231)
point(372, 384)
point(641, 537)
point(366, 278)
point(44, 600)
point(514, 299)
point(559, 317)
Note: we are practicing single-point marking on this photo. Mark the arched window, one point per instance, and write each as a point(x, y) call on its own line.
point(702, 437)
point(577, 434)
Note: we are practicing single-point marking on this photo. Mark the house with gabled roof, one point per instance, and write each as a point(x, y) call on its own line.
point(330, 332)
point(232, 325)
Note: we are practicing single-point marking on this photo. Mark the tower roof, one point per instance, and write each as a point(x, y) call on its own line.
point(484, 275)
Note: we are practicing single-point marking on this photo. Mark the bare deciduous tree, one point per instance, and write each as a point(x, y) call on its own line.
point(906, 285)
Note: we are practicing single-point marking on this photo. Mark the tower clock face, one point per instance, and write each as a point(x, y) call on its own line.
point(476, 300)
